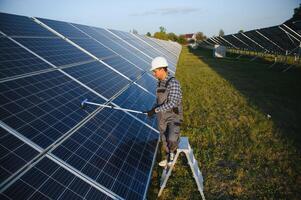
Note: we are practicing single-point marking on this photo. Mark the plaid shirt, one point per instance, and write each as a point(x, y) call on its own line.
point(174, 97)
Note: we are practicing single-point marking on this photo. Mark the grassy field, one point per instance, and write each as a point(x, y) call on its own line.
point(242, 152)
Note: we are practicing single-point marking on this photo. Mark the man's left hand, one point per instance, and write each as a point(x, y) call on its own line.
point(151, 112)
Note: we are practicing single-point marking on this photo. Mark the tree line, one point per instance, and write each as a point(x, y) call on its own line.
point(164, 35)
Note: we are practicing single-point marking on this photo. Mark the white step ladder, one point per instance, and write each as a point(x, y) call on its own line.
point(197, 174)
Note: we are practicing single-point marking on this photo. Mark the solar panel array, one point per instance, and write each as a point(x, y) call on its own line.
point(283, 39)
point(50, 147)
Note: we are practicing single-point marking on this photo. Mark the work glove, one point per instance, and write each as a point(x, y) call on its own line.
point(151, 112)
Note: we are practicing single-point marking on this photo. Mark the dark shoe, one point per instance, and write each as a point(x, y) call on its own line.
point(171, 157)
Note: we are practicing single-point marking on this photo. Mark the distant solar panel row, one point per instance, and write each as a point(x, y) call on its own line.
point(50, 147)
point(282, 39)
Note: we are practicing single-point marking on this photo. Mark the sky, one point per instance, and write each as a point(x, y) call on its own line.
point(177, 16)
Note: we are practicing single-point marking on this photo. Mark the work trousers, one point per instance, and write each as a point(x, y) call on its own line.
point(170, 136)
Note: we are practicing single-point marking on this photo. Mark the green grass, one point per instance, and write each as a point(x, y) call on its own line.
point(242, 153)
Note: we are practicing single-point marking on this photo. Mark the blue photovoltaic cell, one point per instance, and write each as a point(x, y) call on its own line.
point(168, 45)
point(99, 77)
point(55, 50)
point(119, 46)
point(171, 58)
point(94, 48)
point(15, 25)
point(43, 107)
point(148, 82)
point(113, 149)
point(63, 28)
point(48, 180)
point(137, 43)
point(124, 67)
point(14, 154)
point(166, 53)
point(15, 60)
point(143, 47)
point(136, 98)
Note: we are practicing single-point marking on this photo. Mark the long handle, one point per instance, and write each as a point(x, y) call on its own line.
point(107, 106)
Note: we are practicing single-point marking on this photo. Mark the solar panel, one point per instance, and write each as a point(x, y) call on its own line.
point(113, 149)
point(43, 107)
point(119, 46)
point(280, 39)
point(138, 99)
point(166, 52)
point(234, 41)
point(14, 154)
point(152, 52)
point(80, 38)
point(124, 66)
point(15, 60)
point(63, 28)
point(138, 44)
point(74, 153)
point(48, 180)
point(262, 43)
point(170, 45)
point(15, 25)
point(98, 77)
point(95, 48)
point(148, 82)
point(55, 50)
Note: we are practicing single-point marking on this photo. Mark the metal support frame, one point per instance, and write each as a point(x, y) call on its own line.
point(241, 41)
point(291, 30)
point(268, 39)
point(220, 41)
point(254, 41)
point(289, 34)
point(286, 69)
point(197, 174)
point(228, 42)
point(239, 56)
point(208, 42)
point(272, 65)
point(213, 40)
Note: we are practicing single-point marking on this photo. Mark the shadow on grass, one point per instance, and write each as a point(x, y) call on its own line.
point(273, 92)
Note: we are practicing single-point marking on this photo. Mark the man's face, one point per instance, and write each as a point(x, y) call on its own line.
point(159, 73)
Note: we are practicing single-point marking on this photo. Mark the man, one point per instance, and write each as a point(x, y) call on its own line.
point(168, 108)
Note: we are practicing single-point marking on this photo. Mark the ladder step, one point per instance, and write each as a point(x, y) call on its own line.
point(191, 157)
point(197, 174)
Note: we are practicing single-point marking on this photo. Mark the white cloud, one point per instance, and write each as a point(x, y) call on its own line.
point(167, 11)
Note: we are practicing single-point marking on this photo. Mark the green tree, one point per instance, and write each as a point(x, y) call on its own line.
point(148, 34)
point(182, 39)
point(297, 12)
point(241, 31)
point(135, 31)
point(221, 32)
point(200, 36)
point(172, 37)
point(162, 29)
point(161, 34)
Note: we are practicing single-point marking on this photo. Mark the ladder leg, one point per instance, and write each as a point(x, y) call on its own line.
point(197, 174)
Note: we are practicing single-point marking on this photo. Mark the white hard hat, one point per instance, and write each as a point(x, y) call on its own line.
point(158, 62)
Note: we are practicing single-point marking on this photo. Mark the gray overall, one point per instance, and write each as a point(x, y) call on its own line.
point(169, 121)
